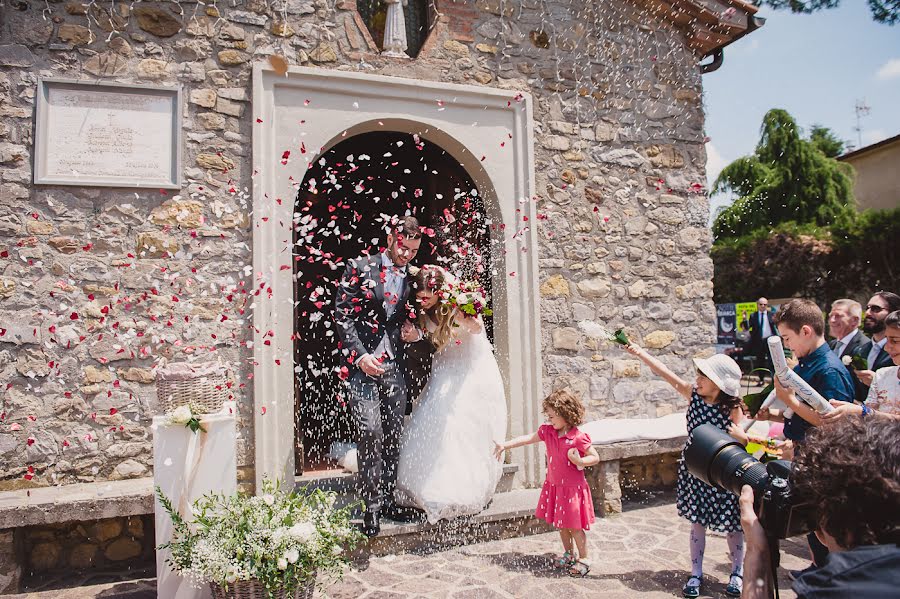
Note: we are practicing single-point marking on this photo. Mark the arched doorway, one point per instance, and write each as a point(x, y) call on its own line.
point(341, 209)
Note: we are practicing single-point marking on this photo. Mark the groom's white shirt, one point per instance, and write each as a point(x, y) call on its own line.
point(393, 288)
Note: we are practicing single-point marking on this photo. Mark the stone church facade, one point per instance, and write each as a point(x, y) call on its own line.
point(603, 104)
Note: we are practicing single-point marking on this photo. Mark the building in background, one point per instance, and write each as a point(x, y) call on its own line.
point(877, 185)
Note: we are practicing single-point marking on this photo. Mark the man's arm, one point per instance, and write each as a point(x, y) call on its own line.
point(757, 565)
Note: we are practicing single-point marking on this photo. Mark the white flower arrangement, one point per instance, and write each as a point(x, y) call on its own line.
point(281, 540)
point(184, 415)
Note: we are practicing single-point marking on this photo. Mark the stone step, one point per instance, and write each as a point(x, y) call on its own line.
point(510, 514)
point(345, 482)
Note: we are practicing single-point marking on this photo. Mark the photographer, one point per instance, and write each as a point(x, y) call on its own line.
point(851, 471)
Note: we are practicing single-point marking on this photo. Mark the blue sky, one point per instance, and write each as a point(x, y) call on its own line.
point(814, 66)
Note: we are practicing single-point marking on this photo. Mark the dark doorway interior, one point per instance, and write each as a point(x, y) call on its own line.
point(341, 210)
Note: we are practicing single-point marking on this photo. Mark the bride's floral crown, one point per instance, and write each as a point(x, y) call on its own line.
point(467, 296)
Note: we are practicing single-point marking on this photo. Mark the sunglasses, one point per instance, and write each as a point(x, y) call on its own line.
point(875, 309)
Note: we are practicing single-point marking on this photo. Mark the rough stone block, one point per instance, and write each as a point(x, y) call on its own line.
point(16, 55)
point(626, 368)
point(187, 214)
point(658, 339)
point(595, 287)
point(203, 97)
point(228, 107)
point(555, 286)
point(567, 338)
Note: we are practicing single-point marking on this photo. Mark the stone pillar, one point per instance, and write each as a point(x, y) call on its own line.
point(605, 490)
point(186, 466)
point(10, 565)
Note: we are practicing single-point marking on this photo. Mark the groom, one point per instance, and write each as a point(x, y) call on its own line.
point(370, 312)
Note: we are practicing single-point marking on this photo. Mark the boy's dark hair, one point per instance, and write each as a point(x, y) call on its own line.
point(798, 313)
point(892, 320)
point(564, 403)
point(891, 299)
point(408, 226)
point(850, 472)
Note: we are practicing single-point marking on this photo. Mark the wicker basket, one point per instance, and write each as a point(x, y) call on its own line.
point(252, 589)
point(201, 386)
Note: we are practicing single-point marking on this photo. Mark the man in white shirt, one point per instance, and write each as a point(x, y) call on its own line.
point(880, 305)
point(843, 325)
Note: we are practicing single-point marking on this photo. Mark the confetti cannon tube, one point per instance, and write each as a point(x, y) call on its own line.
point(791, 380)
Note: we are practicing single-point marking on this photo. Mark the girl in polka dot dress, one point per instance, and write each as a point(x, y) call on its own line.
point(714, 399)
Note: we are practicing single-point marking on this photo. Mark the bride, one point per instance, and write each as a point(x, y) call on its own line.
point(446, 465)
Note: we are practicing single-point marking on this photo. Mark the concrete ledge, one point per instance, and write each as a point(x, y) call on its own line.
point(82, 501)
point(634, 449)
point(603, 478)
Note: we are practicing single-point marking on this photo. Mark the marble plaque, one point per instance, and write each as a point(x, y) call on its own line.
point(108, 135)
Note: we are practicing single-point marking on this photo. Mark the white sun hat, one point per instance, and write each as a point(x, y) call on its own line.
point(723, 371)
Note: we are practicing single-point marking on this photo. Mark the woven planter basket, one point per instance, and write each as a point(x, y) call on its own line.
point(252, 589)
point(203, 387)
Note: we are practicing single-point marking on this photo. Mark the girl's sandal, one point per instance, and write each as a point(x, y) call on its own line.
point(580, 569)
point(692, 590)
point(566, 560)
point(735, 585)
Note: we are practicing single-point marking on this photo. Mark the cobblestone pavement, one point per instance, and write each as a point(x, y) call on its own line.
point(640, 553)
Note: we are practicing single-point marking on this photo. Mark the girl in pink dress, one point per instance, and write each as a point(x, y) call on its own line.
point(565, 500)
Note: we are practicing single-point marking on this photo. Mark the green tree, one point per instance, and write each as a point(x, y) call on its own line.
point(883, 11)
point(787, 179)
point(826, 141)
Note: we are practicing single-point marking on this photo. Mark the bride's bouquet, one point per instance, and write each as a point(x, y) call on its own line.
point(469, 298)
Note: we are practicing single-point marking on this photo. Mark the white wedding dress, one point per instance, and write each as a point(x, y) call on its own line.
point(446, 466)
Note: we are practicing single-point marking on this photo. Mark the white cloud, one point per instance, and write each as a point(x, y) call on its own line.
point(714, 163)
point(889, 70)
point(873, 136)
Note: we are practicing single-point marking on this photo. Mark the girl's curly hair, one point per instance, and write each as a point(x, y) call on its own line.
point(566, 405)
point(850, 473)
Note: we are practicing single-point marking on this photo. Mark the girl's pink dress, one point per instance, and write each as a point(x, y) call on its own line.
point(565, 500)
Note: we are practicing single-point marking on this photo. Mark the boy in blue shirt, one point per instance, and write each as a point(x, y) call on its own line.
point(802, 328)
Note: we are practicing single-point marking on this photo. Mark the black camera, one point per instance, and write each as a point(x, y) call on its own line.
point(717, 459)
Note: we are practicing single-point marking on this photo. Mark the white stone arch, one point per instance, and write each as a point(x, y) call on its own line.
point(488, 131)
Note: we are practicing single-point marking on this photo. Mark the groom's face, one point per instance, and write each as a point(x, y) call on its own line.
point(402, 249)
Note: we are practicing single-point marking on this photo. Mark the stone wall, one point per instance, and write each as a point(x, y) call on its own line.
point(63, 550)
point(97, 284)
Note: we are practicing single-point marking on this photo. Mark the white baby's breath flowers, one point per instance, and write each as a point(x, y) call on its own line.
point(302, 531)
point(181, 415)
point(286, 538)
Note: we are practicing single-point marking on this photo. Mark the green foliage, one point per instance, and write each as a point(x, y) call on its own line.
point(824, 140)
point(279, 539)
point(852, 259)
point(883, 11)
point(788, 178)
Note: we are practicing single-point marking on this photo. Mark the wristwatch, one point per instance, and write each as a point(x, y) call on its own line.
point(866, 410)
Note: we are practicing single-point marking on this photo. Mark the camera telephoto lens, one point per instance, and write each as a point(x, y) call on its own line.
point(717, 459)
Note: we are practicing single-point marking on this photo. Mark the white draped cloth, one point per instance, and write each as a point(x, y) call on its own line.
point(447, 467)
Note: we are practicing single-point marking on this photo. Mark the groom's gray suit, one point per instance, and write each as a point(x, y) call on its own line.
point(370, 307)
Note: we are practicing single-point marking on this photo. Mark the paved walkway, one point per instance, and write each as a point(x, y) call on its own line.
point(640, 553)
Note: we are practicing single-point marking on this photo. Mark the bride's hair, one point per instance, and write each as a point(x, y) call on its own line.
point(436, 279)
